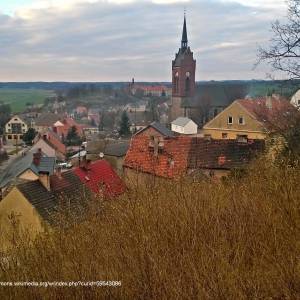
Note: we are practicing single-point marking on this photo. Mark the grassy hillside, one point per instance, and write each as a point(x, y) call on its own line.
point(18, 98)
point(233, 240)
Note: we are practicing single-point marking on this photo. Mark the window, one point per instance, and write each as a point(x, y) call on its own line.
point(241, 121)
point(242, 138)
point(207, 137)
point(187, 84)
point(230, 120)
point(224, 135)
point(176, 82)
point(298, 102)
point(9, 137)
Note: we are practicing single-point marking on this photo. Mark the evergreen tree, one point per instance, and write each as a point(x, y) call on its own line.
point(29, 136)
point(73, 139)
point(124, 125)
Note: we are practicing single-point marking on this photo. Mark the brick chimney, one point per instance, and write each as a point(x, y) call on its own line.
point(58, 173)
point(37, 157)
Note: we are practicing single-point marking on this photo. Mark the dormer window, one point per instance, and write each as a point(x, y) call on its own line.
point(230, 120)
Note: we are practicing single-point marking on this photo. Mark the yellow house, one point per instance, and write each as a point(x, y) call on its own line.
point(17, 218)
point(244, 119)
point(31, 207)
point(15, 128)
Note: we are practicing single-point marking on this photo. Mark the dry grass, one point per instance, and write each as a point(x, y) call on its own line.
point(239, 240)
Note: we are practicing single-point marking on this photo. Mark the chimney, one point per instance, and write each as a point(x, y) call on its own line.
point(58, 172)
point(85, 163)
point(44, 179)
point(37, 158)
point(156, 142)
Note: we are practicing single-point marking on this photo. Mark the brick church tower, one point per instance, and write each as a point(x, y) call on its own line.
point(183, 77)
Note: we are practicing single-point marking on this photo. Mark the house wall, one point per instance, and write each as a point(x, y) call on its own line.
point(41, 129)
point(177, 128)
point(28, 175)
point(190, 128)
point(233, 134)
point(28, 220)
point(219, 125)
point(135, 178)
point(11, 134)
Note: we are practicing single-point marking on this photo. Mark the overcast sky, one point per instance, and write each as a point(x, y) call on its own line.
point(115, 40)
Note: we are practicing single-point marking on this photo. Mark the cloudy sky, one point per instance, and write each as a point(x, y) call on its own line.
point(115, 40)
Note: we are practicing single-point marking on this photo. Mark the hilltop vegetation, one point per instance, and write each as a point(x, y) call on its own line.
point(184, 240)
point(20, 98)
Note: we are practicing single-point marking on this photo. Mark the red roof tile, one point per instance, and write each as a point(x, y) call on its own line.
point(100, 178)
point(172, 163)
point(55, 142)
point(179, 154)
point(67, 124)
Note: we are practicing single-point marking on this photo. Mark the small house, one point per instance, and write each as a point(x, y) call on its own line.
point(184, 125)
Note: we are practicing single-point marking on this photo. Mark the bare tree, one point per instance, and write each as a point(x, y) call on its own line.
point(284, 52)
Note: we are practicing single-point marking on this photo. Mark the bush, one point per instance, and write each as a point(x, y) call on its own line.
point(183, 240)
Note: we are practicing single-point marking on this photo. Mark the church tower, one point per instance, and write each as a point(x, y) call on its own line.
point(183, 77)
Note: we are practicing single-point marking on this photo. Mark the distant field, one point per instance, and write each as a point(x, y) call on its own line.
point(17, 98)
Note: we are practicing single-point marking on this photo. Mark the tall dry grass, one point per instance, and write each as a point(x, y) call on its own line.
point(187, 240)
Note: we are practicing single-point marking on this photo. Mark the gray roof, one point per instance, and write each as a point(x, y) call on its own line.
point(162, 129)
point(68, 196)
point(47, 119)
point(117, 149)
point(21, 164)
point(181, 121)
point(216, 94)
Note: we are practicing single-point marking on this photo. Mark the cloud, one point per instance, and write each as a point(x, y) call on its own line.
point(106, 41)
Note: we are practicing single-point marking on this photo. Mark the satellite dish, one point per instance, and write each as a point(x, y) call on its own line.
point(101, 154)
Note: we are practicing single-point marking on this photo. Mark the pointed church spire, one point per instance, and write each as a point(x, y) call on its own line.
point(184, 40)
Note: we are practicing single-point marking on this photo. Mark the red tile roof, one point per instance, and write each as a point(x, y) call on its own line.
point(172, 163)
point(55, 142)
point(182, 153)
point(100, 178)
point(67, 124)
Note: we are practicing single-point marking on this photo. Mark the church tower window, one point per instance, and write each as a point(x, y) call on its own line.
point(187, 82)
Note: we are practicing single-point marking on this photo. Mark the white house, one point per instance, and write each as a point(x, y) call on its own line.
point(184, 126)
point(15, 128)
point(296, 99)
